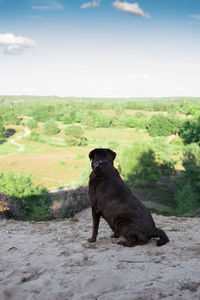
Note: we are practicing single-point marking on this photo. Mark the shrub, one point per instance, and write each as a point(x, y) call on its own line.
point(190, 130)
point(163, 151)
point(22, 200)
point(51, 128)
point(34, 136)
point(42, 113)
point(83, 141)
point(71, 141)
point(2, 130)
point(139, 114)
point(75, 136)
point(69, 117)
point(116, 121)
point(24, 196)
point(191, 163)
point(138, 165)
point(185, 198)
point(70, 203)
point(136, 123)
point(10, 117)
point(162, 125)
point(31, 123)
point(74, 131)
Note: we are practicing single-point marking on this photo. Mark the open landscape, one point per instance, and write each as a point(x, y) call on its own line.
point(85, 74)
point(48, 140)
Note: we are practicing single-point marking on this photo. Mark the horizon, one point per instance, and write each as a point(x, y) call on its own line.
point(100, 49)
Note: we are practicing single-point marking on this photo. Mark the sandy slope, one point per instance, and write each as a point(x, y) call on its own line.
point(53, 261)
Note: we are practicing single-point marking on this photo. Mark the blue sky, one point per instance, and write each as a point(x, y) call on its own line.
point(99, 48)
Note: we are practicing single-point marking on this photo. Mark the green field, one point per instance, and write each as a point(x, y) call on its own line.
point(116, 124)
point(53, 164)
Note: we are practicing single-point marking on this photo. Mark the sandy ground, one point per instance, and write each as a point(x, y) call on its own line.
point(53, 261)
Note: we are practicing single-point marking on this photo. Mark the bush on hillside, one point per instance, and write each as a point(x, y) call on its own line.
point(140, 123)
point(191, 163)
point(162, 125)
point(11, 117)
point(42, 113)
point(24, 196)
point(190, 130)
point(69, 203)
point(186, 199)
point(51, 128)
point(138, 165)
point(75, 131)
point(74, 136)
point(139, 115)
point(31, 123)
point(2, 130)
point(163, 152)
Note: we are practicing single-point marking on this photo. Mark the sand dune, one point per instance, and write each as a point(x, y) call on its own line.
point(53, 261)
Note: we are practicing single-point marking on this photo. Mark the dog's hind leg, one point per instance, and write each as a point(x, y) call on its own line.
point(163, 238)
point(132, 238)
point(96, 219)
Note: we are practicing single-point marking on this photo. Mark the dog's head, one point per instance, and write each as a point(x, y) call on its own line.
point(101, 154)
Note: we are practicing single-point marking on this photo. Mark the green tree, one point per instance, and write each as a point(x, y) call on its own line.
point(42, 113)
point(162, 125)
point(187, 197)
point(138, 165)
point(31, 124)
point(24, 196)
point(75, 131)
point(190, 130)
point(74, 136)
point(51, 128)
point(2, 130)
point(11, 118)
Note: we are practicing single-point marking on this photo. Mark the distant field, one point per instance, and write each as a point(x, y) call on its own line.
point(54, 166)
point(50, 161)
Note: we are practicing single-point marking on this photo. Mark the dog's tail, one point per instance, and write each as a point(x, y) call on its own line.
point(163, 238)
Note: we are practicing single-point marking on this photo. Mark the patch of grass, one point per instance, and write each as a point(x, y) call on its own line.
point(80, 156)
point(7, 148)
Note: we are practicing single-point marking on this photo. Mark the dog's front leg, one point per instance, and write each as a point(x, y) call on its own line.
point(96, 220)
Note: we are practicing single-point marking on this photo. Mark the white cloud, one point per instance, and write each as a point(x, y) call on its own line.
point(131, 8)
point(195, 16)
point(48, 5)
point(15, 44)
point(94, 3)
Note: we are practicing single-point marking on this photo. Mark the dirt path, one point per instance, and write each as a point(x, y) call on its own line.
point(21, 147)
point(53, 261)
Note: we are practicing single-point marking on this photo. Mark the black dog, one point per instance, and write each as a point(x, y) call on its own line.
point(111, 199)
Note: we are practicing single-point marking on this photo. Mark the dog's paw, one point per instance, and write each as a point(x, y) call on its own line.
point(114, 235)
point(127, 243)
point(91, 240)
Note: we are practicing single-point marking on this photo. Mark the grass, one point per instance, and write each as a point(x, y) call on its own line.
point(54, 165)
point(7, 148)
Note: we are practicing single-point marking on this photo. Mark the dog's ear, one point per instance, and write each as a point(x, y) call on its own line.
point(112, 153)
point(91, 154)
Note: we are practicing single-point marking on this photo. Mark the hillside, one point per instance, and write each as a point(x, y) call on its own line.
point(52, 260)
